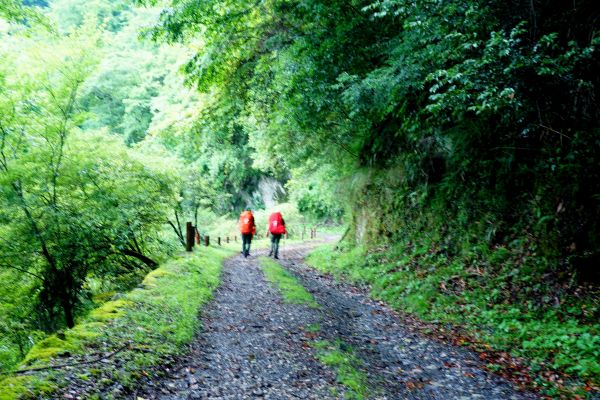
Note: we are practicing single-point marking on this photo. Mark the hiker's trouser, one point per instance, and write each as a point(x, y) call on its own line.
point(246, 240)
point(275, 238)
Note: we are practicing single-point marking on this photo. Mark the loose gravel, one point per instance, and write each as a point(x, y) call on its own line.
point(253, 345)
point(402, 363)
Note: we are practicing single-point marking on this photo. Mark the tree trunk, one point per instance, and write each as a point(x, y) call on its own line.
point(146, 260)
point(189, 236)
point(177, 229)
point(68, 310)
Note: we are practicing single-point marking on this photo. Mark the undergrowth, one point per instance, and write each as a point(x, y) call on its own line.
point(490, 295)
point(149, 324)
point(290, 289)
point(347, 366)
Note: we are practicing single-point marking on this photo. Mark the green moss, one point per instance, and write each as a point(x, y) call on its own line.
point(67, 342)
point(48, 348)
point(347, 366)
point(14, 387)
point(105, 381)
point(152, 277)
point(289, 287)
point(25, 387)
point(103, 297)
point(83, 377)
point(162, 317)
point(45, 387)
point(85, 331)
point(109, 310)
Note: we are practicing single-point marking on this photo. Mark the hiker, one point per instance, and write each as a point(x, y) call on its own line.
point(247, 229)
point(276, 229)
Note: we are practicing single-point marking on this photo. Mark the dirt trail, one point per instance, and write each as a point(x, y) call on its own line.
point(255, 346)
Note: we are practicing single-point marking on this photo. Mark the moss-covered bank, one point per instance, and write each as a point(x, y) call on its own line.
point(160, 315)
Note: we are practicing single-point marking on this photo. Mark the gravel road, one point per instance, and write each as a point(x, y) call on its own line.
point(253, 345)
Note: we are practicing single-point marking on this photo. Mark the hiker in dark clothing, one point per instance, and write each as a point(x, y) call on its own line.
point(276, 229)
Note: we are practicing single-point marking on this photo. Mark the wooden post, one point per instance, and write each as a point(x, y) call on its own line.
point(197, 236)
point(189, 236)
point(227, 239)
point(235, 238)
point(219, 240)
point(206, 240)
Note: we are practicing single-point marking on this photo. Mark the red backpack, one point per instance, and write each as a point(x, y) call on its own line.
point(276, 224)
point(247, 223)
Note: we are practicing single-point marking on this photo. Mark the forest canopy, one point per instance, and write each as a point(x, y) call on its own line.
point(102, 160)
point(475, 111)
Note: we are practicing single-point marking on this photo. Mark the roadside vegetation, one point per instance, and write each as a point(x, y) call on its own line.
point(146, 326)
point(102, 164)
point(484, 301)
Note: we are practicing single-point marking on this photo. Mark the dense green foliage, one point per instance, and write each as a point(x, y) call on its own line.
point(17, 11)
point(80, 211)
point(476, 119)
point(104, 155)
point(465, 128)
point(485, 110)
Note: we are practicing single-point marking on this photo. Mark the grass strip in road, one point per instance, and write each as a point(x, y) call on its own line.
point(335, 354)
point(292, 291)
point(347, 366)
point(153, 322)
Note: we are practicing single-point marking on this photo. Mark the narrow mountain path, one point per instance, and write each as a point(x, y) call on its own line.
point(253, 345)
